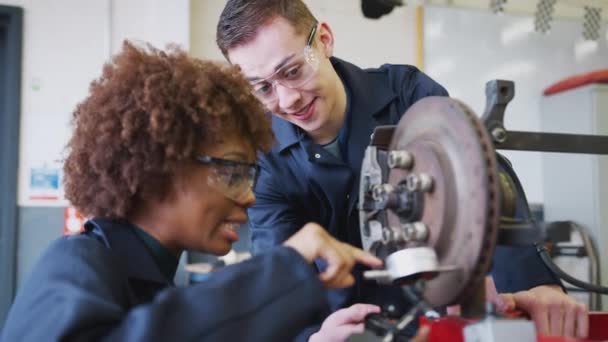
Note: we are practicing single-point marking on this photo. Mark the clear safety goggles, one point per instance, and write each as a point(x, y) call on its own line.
point(233, 178)
point(296, 73)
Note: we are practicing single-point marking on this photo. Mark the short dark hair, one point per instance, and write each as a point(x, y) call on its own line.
point(241, 19)
point(146, 118)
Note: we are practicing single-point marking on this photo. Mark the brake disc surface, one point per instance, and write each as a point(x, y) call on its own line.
point(461, 212)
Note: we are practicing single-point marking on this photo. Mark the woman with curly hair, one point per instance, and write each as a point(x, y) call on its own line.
point(163, 159)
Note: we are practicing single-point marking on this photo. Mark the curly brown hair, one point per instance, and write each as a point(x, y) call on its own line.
point(148, 113)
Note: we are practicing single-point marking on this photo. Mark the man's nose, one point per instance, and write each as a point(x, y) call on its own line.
point(288, 97)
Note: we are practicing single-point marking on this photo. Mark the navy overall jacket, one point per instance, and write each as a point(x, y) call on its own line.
point(105, 285)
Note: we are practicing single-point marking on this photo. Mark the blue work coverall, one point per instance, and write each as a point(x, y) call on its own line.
point(104, 285)
point(300, 181)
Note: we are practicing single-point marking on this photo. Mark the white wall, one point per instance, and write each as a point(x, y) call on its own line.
point(576, 185)
point(466, 48)
point(66, 43)
point(365, 42)
point(369, 42)
point(64, 47)
point(157, 22)
point(203, 21)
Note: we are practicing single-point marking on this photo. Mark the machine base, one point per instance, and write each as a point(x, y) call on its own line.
point(458, 329)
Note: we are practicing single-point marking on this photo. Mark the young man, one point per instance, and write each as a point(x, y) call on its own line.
point(325, 110)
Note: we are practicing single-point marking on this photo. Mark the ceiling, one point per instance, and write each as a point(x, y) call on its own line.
point(571, 9)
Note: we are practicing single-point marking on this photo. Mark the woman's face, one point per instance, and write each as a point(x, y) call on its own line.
point(211, 197)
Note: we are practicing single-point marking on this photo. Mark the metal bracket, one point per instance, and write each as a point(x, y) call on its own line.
point(498, 94)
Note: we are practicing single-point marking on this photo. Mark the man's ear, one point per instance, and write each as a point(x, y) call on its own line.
point(326, 38)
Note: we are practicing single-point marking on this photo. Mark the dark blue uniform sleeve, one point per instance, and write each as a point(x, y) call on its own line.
point(518, 268)
point(74, 294)
point(425, 86)
point(412, 85)
point(272, 219)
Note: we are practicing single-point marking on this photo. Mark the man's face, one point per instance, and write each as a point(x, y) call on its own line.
point(273, 56)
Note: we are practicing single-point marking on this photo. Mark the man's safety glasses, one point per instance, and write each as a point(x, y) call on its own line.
point(297, 72)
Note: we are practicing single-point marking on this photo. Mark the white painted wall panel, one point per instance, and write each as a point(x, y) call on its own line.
point(65, 45)
point(576, 186)
point(466, 48)
point(365, 42)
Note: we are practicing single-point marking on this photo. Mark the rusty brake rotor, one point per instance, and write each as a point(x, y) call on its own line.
point(460, 211)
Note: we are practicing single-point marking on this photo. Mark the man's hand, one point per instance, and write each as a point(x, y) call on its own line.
point(422, 335)
point(343, 323)
point(554, 313)
point(312, 242)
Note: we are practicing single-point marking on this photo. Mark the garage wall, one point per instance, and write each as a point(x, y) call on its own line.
point(365, 42)
point(65, 45)
point(505, 47)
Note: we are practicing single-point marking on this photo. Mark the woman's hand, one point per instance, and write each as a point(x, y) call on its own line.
point(313, 241)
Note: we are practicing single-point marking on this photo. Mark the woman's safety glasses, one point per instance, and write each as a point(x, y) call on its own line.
point(233, 178)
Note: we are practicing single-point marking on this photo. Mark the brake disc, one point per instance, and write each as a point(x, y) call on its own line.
point(461, 211)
